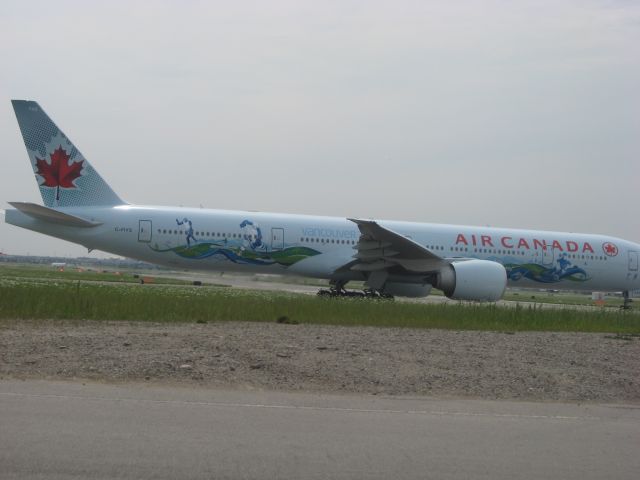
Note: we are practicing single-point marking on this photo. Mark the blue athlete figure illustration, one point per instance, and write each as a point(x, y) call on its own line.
point(563, 264)
point(566, 269)
point(252, 235)
point(188, 231)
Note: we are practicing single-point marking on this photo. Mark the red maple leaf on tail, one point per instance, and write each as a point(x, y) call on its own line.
point(58, 173)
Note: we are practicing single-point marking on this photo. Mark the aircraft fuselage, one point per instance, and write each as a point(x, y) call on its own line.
point(316, 246)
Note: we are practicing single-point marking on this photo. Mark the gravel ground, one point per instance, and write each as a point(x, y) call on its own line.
point(528, 366)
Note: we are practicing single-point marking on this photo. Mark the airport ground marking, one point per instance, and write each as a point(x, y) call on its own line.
point(438, 413)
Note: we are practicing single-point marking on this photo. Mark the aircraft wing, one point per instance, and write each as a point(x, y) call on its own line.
point(380, 248)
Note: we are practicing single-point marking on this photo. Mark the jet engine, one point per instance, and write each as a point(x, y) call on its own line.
point(480, 280)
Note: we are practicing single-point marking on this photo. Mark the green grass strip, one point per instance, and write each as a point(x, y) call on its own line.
point(71, 274)
point(79, 301)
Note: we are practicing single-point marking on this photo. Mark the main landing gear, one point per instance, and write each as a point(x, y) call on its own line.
point(337, 290)
point(627, 300)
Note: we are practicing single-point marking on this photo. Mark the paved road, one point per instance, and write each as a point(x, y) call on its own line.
point(64, 430)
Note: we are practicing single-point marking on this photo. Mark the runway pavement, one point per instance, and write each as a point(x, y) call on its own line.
point(64, 430)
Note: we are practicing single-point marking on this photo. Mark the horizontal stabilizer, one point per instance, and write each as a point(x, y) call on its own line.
point(51, 215)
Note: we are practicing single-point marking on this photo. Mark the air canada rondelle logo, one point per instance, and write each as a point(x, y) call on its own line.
point(610, 249)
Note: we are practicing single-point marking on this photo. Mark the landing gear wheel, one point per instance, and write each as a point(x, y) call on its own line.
point(337, 290)
point(353, 293)
point(375, 294)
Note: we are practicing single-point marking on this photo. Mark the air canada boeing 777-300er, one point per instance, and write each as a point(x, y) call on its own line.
point(390, 257)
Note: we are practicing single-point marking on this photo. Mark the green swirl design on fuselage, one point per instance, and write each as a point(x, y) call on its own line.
point(199, 251)
point(541, 274)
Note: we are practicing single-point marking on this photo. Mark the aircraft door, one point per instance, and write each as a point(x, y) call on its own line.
point(277, 238)
point(144, 231)
point(633, 261)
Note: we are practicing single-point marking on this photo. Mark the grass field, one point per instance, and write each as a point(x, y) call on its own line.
point(47, 299)
point(559, 298)
point(12, 271)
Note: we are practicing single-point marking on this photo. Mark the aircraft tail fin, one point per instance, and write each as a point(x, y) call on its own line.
point(65, 177)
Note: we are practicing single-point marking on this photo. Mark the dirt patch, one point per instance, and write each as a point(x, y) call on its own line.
point(527, 366)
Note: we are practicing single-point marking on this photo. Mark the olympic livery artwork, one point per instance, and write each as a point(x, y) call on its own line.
point(564, 270)
point(247, 248)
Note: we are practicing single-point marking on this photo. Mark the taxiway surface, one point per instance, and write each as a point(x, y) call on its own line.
point(64, 430)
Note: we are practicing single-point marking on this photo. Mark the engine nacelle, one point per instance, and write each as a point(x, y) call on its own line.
point(480, 280)
point(407, 289)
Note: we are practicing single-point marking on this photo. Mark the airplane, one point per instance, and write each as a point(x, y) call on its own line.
point(392, 258)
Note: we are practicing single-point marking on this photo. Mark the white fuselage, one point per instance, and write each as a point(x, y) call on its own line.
point(316, 246)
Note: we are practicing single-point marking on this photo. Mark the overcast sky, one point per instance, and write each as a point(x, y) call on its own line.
point(516, 114)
